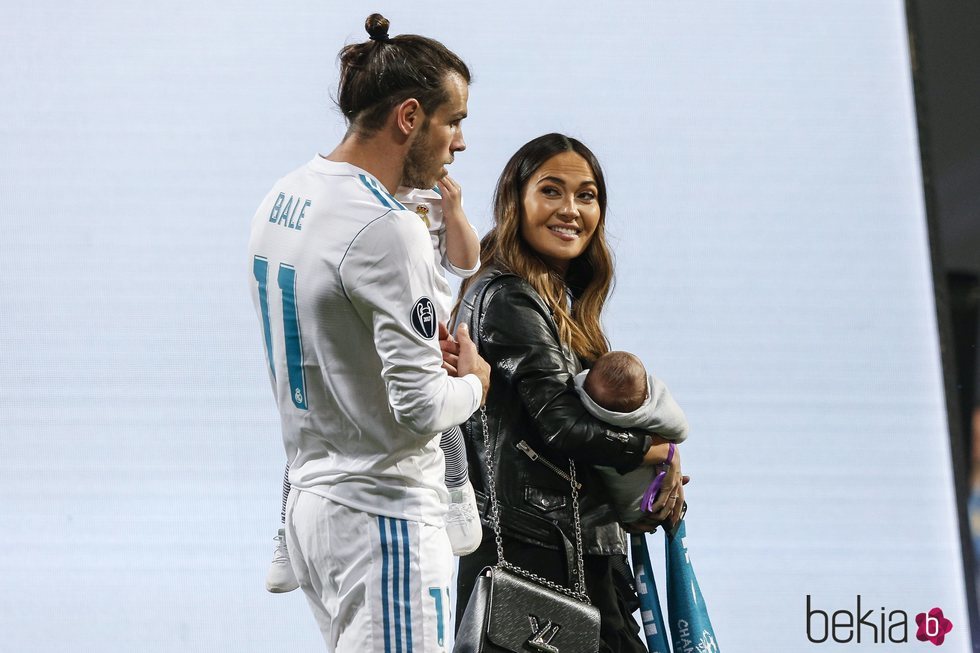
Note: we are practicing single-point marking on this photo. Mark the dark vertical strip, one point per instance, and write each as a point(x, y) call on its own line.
point(384, 582)
point(260, 269)
point(286, 486)
point(395, 587)
point(959, 459)
point(294, 340)
point(406, 556)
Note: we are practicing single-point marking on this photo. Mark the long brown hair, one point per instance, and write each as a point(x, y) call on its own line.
point(589, 277)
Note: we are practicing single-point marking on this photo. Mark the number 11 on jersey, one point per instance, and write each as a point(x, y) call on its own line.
point(290, 318)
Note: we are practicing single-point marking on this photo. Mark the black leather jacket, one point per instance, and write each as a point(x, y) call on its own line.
point(533, 411)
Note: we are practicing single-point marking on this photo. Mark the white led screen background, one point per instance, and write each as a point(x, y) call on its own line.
point(768, 222)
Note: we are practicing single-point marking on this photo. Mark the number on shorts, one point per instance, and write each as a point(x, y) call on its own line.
point(436, 594)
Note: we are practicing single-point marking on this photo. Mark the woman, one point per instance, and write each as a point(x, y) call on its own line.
point(534, 311)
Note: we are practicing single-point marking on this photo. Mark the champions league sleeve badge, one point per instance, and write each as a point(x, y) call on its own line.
point(424, 318)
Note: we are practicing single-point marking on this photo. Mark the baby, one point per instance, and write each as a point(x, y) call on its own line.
point(618, 390)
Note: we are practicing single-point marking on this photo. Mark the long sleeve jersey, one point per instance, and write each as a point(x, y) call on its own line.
point(344, 283)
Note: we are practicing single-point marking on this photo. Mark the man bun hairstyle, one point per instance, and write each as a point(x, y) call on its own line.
point(382, 72)
point(377, 27)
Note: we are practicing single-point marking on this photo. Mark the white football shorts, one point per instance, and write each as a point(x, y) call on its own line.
point(375, 584)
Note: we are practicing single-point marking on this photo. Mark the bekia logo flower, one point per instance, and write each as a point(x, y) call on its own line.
point(933, 626)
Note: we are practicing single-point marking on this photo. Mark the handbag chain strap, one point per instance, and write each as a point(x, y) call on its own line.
point(579, 591)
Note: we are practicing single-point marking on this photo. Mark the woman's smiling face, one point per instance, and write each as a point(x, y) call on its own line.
point(561, 209)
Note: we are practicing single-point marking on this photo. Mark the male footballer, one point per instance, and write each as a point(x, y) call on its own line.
point(344, 285)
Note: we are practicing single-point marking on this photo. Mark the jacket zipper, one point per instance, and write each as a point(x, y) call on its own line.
point(533, 455)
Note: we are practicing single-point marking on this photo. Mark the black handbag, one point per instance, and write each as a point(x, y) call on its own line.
point(514, 610)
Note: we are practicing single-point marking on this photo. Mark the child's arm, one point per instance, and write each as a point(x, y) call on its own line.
point(462, 243)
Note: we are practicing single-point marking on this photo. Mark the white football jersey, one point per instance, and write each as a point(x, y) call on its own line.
point(344, 283)
point(427, 204)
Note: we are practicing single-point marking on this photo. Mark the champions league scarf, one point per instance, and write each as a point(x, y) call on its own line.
point(690, 627)
point(646, 588)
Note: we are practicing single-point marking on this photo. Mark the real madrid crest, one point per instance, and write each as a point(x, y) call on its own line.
point(422, 210)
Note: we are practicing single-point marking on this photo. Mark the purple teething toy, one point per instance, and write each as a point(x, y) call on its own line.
point(650, 496)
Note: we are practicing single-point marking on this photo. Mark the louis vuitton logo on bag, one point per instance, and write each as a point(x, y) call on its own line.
point(541, 635)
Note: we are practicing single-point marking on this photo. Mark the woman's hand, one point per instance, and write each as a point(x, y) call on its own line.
point(670, 500)
point(650, 521)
